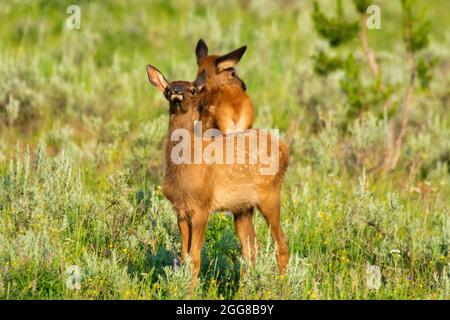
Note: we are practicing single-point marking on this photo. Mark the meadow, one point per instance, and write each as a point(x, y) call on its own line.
point(82, 134)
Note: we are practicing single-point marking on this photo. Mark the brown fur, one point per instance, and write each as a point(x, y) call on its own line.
point(196, 190)
point(227, 106)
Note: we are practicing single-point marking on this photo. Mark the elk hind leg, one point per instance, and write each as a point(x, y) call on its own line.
point(246, 233)
point(270, 209)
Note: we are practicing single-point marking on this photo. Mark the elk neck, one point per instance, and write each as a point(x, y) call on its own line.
point(179, 119)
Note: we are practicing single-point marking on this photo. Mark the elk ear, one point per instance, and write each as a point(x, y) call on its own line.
point(200, 81)
point(201, 50)
point(156, 78)
point(230, 59)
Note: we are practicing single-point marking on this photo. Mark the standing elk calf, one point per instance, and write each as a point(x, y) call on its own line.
point(226, 106)
point(197, 189)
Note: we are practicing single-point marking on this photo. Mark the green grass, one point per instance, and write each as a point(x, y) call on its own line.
point(81, 162)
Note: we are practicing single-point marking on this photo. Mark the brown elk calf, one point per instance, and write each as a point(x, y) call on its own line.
point(198, 188)
point(226, 105)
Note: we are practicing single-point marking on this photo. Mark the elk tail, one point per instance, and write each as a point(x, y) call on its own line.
point(283, 162)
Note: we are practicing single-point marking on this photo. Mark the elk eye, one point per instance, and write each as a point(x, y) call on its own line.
point(193, 90)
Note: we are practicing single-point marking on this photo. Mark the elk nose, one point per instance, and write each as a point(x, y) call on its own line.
point(176, 95)
point(176, 91)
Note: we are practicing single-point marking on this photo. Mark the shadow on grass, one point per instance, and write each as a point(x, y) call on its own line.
point(220, 262)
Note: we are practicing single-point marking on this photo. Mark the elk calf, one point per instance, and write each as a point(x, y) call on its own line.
point(197, 189)
point(226, 106)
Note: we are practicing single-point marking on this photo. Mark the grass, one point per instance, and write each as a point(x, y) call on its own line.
point(81, 162)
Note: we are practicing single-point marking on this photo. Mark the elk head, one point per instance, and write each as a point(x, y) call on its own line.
point(183, 96)
point(219, 69)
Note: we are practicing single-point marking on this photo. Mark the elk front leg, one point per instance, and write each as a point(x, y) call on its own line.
point(198, 223)
point(183, 225)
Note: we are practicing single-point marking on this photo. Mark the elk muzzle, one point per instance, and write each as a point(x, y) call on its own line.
point(175, 94)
